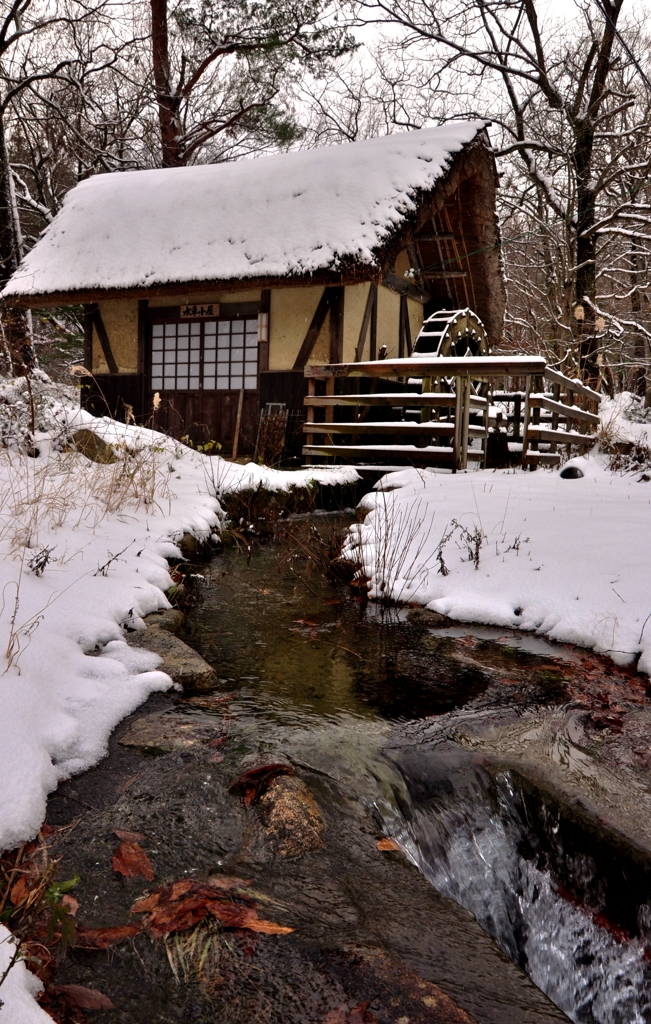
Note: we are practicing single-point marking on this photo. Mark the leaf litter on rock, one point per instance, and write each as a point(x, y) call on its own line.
point(181, 906)
point(253, 783)
point(131, 860)
point(83, 998)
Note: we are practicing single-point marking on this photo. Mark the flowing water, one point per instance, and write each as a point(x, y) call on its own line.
point(335, 684)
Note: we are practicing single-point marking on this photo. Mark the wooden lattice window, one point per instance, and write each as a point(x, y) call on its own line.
point(205, 355)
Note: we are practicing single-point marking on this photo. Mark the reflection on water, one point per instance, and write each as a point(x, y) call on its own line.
point(327, 680)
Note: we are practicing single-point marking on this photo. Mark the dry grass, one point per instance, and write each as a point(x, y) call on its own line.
point(67, 489)
point(39, 496)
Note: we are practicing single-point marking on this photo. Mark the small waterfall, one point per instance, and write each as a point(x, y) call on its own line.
point(497, 848)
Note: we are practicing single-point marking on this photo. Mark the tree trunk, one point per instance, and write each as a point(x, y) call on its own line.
point(14, 321)
point(639, 381)
point(165, 97)
point(585, 255)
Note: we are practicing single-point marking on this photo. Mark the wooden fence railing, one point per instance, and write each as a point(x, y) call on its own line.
point(448, 421)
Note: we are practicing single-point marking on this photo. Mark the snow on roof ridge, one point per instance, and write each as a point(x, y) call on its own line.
point(287, 214)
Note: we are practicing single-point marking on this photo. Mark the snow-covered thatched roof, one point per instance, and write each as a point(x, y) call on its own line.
point(293, 214)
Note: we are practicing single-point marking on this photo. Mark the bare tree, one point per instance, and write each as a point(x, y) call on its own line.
point(555, 98)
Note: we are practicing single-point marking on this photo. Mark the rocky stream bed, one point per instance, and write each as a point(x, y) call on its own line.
point(360, 814)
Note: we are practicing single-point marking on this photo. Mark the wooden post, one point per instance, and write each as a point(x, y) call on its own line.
point(458, 422)
point(517, 413)
point(371, 301)
point(88, 338)
point(401, 327)
point(556, 395)
point(486, 414)
point(337, 325)
point(309, 438)
point(425, 412)
point(329, 412)
point(263, 330)
point(373, 352)
point(465, 422)
point(238, 421)
point(525, 426)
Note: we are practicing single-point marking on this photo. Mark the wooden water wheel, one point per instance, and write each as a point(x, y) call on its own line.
point(453, 332)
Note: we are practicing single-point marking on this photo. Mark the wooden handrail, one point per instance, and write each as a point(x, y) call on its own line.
point(572, 385)
point(429, 399)
point(464, 366)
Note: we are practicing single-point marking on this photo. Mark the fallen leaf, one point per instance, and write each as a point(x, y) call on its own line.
point(128, 837)
point(131, 860)
point(84, 998)
point(217, 742)
point(19, 891)
point(70, 903)
point(181, 906)
point(102, 938)
point(215, 759)
point(48, 830)
point(233, 915)
point(254, 782)
point(388, 844)
point(145, 905)
point(180, 888)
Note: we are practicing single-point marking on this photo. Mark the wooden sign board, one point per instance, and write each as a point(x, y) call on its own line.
point(193, 312)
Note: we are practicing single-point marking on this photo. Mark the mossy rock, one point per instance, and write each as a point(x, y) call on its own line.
point(93, 447)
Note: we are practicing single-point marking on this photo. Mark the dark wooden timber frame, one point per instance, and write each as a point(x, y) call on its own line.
point(93, 319)
point(332, 302)
point(369, 319)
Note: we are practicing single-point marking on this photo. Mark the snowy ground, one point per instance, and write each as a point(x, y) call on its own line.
point(565, 557)
point(109, 530)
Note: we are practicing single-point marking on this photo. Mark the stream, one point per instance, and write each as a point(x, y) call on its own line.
point(402, 728)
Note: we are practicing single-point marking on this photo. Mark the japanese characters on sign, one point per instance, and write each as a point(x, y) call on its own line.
point(191, 311)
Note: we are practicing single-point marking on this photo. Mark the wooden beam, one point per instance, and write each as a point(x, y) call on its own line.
point(313, 330)
point(88, 338)
point(411, 399)
point(571, 385)
point(263, 343)
point(560, 436)
point(568, 412)
point(143, 334)
point(404, 336)
point(477, 367)
point(336, 324)
point(143, 323)
point(441, 275)
point(401, 428)
point(401, 286)
point(371, 303)
point(100, 330)
point(409, 452)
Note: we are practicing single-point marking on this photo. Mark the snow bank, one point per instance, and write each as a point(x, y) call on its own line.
point(567, 558)
point(83, 553)
point(19, 988)
point(289, 214)
point(106, 531)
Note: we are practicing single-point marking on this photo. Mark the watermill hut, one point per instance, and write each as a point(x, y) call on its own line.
point(213, 286)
